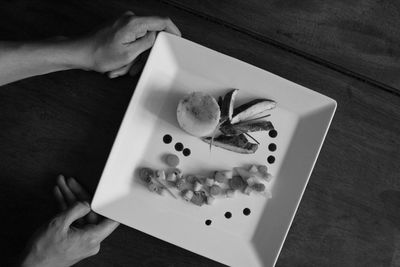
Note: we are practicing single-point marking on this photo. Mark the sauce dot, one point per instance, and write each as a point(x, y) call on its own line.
point(208, 222)
point(228, 215)
point(272, 147)
point(178, 146)
point(271, 159)
point(273, 133)
point(186, 152)
point(167, 139)
point(246, 211)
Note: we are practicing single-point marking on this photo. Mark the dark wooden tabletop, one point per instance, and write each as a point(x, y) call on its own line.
point(66, 122)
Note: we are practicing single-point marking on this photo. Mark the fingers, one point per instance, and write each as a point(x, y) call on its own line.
point(155, 24)
point(103, 229)
point(60, 198)
point(65, 190)
point(79, 210)
point(119, 72)
point(81, 195)
point(142, 44)
point(77, 189)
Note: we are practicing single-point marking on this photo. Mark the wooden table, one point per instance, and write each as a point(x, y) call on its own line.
point(349, 50)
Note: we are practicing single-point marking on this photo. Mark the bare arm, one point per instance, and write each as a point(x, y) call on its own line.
point(22, 60)
point(111, 50)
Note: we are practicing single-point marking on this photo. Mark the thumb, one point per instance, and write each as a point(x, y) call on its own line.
point(79, 210)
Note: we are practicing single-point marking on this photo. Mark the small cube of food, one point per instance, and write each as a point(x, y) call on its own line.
point(197, 186)
point(219, 177)
point(180, 184)
point(209, 181)
point(248, 190)
point(227, 174)
point(171, 177)
point(253, 169)
point(188, 195)
point(215, 190)
point(243, 173)
point(190, 178)
point(236, 182)
point(160, 174)
point(153, 187)
point(259, 187)
point(230, 193)
point(210, 200)
point(263, 169)
point(145, 174)
point(252, 180)
point(268, 177)
point(172, 160)
point(197, 199)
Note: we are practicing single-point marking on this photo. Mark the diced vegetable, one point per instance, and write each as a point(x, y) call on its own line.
point(145, 174)
point(188, 195)
point(215, 190)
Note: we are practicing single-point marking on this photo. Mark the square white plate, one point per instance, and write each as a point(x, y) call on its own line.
point(174, 68)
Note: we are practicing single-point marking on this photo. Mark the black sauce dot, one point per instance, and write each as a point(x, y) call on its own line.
point(272, 147)
point(208, 222)
point(178, 146)
point(186, 152)
point(167, 139)
point(271, 159)
point(273, 133)
point(228, 215)
point(246, 211)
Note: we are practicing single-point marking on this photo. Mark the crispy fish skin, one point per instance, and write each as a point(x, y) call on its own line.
point(246, 127)
point(251, 109)
point(237, 143)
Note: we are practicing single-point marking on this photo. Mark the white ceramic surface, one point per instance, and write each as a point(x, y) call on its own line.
point(175, 67)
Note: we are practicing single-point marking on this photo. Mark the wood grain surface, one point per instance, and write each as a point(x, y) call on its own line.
point(360, 38)
point(66, 123)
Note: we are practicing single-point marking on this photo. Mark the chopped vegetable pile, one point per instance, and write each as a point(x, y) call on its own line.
point(200, 189)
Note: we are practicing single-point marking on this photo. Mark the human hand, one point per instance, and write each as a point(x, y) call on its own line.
point(115, 48)
point(60, 243)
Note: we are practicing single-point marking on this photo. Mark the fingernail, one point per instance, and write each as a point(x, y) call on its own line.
point(86, 203)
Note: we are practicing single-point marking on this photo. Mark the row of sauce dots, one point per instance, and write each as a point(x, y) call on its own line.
point(272, 146)
point(178, 146)
point(228, 215)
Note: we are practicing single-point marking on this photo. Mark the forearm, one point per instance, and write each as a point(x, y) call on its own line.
point(21, 60)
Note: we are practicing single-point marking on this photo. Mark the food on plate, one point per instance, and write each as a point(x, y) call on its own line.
point(172, 160)
point(236, 183)
point(226, 105)
point(251, 110)
point(251, 180)
point(209, 181)
point(237, 143)
point(229, 193)
point(198, 198)
point(197, 186)
point(215, 190)
point(171, 177)
point(220, 124)
point(210, 200)
point(253, 169)
point(188, 194)
point(220, 177)
point(198, 114)
point(259, 187)
point(205, 189)
point(160, 174)
point(246, 127)
point(146, 174)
